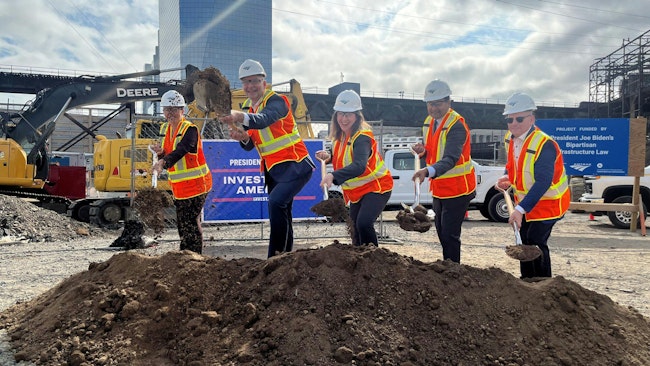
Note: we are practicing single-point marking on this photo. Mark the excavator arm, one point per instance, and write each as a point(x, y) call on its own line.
point(24, 134)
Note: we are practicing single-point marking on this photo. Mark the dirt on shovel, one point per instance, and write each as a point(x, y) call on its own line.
point(416, 221)
point(333, 208)
point(523, 253)
point(519, 251)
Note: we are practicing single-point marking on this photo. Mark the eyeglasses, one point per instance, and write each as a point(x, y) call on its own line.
point(346, 114)
point(437, 103)
point(251, 81)
point(171, 109)
point(518, 119)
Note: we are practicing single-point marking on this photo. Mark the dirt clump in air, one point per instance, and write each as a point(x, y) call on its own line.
point(150, 204)
point(334, 208)
point(339, 304)
point(211, 90)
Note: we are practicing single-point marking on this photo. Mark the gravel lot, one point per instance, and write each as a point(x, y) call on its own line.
point(590, 252)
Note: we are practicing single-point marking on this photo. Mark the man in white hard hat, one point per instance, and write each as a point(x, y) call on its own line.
point(449, 167)
point(182, 155)
point(535, 171)
point(268, 125)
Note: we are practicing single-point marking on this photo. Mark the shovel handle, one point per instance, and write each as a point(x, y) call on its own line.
point(323, 172)
point(154, 160)
point(506, 196)
point(416, 165)
point(511, 209)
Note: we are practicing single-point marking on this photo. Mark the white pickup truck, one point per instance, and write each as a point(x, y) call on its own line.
point(401, 164)
point(616, 189)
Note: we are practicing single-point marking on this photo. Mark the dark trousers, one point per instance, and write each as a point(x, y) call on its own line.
point(188, 220)
point(536, 233)
point(450, 214)
point(364, 213)
point(281, 196)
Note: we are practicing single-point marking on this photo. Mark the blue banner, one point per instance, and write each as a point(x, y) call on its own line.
point(238, 191)
point(591, 146)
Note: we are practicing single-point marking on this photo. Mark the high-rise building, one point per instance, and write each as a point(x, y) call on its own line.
point(219, 33)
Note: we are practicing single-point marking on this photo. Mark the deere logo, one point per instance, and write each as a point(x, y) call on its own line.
point(344, 101)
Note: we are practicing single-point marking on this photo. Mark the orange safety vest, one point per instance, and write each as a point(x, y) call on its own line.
point(376, 178)
point(280, 141)
point(459, 180)
point(190, 176)
point(555, 202)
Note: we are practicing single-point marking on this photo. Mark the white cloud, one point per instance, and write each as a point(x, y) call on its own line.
point(483, 49)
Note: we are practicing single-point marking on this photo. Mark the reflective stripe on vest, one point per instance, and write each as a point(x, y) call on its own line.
point(280, 141)
point(459, 180)
point(554, 203)
point(180, 172)
point(375, 178)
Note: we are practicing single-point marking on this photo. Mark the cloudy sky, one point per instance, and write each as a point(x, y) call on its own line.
point(485, 49)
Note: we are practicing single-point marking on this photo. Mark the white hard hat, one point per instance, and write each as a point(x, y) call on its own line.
point(436, 90)
point(251, 67)
point(519, 102)
point(172, 98)
point(348, 101)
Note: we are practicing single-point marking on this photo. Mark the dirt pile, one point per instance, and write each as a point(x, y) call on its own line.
point(327, 306)
point(22, 220)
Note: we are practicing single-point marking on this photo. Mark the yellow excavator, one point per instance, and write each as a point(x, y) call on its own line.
point(27, 168)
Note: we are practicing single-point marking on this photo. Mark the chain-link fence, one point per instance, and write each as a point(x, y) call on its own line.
point(237, 178)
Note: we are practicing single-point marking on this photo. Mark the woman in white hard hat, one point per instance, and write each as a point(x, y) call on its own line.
point(535, 170)
point(452, 180)
point(189, 176)
point(268, 125)
point(358, 167)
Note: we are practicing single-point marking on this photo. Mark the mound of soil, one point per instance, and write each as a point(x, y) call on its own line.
point(336, 305)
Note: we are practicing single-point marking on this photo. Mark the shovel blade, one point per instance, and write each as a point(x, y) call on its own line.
point(523, 253)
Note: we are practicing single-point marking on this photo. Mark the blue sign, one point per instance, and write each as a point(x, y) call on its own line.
point(591, 146)
point(238, 192)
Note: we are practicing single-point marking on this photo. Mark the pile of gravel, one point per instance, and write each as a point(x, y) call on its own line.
point(21, 220)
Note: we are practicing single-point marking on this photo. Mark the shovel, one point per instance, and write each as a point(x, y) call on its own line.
point(523, 253)
point(416, 167)
point(323, 172)
point(415, 219)
point(333, 208)
point(154, 175)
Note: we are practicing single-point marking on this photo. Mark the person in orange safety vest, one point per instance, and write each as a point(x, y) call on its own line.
point(452, 180)
point(535, 170)
point(182, 155)
point(358, 167)
point(267, 124)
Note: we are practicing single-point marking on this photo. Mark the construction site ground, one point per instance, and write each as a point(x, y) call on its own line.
point(589, 254)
